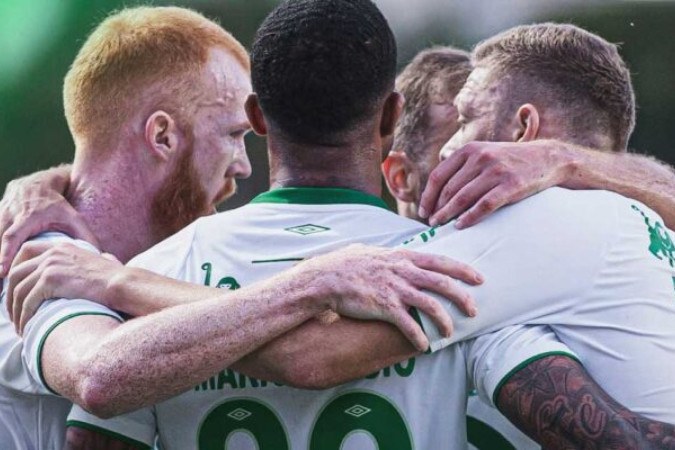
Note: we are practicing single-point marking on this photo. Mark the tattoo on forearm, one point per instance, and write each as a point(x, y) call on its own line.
point(556, 402)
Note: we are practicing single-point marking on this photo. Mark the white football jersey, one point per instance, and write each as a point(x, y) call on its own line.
point(32, 416)
point(419, 403)
point(595, 266)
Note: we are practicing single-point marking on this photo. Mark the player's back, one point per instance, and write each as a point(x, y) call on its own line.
point(599, 268)
point(240, 247)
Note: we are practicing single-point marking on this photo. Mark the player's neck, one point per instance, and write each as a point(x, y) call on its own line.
point(115, 207)
point(350, 166)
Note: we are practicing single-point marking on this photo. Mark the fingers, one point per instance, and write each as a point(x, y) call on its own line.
point(438, 179)
point(6, 221)
point(31, 293)
point(449, 289)
point(432, 308)
point(23, 282)
point(11, 241)
point(489, 203)
point(411, 330)
point(20, 270)
point(443, 265)
point(471, 188)
point(28, 260)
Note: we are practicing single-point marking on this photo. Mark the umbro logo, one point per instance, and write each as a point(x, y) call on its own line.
point(307, 229)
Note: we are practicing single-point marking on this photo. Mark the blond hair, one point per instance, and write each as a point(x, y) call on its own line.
point(569, 67)
point(131, 52)
point(435, 75)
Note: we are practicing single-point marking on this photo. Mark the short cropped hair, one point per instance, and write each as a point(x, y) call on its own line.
point(133, 51)
point(571, 67)
point(321, 66)
point(435, 75)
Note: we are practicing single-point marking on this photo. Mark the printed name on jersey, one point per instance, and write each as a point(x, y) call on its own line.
point(424, 236)
point(229, 379)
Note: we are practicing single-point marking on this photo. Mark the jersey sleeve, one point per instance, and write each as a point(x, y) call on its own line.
point(137, 428)
point(493, 358)
point(20, 363)
point(538, 257)
point(50, 315)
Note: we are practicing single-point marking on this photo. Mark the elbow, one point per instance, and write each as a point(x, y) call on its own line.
point(97, 395)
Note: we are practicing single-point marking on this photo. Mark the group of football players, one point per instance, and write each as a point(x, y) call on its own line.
point(523, 296)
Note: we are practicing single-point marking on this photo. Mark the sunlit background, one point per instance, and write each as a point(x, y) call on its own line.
point(39, 39)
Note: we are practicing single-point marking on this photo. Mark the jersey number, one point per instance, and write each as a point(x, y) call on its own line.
point(342, 416)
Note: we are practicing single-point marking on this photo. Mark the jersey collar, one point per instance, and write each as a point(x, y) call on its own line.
point(318, 196)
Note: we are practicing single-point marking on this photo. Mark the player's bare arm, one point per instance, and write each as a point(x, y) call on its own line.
point(36, 203)
point(361, 282)
point(481, 177)
point(43, 271)
point(81, 439)
point(121, 367)
point(556, 403)
point(319, 355)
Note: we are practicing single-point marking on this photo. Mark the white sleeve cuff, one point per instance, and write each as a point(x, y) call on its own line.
point(493, 358)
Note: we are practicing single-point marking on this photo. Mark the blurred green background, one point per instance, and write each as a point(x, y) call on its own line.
point(39, 39)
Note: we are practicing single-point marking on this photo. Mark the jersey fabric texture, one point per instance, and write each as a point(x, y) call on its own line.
point(595, 266)
point(32, 416)
point(419, 403)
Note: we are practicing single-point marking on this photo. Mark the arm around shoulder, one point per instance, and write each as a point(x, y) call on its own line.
point(635, 176)
point(319, 355)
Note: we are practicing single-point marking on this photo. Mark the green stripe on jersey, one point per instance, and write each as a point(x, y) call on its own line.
point(261, 261)
point(318, 196)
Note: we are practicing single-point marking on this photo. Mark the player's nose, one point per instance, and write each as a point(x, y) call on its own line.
point(241, 165)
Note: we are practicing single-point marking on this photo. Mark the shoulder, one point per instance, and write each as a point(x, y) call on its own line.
point(562, 205)
point(163, 257)
point(559, 214)
point(556, 221)
point(168, 256)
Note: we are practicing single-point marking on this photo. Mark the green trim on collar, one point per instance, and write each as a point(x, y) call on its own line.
point(120, 437)
point(318, 196)
point(44, 337)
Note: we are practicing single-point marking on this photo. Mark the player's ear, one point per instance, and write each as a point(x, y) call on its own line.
point(391, 111)
point(161, 135)
point(526, 123)
point(255, 115)
point(400, 177)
